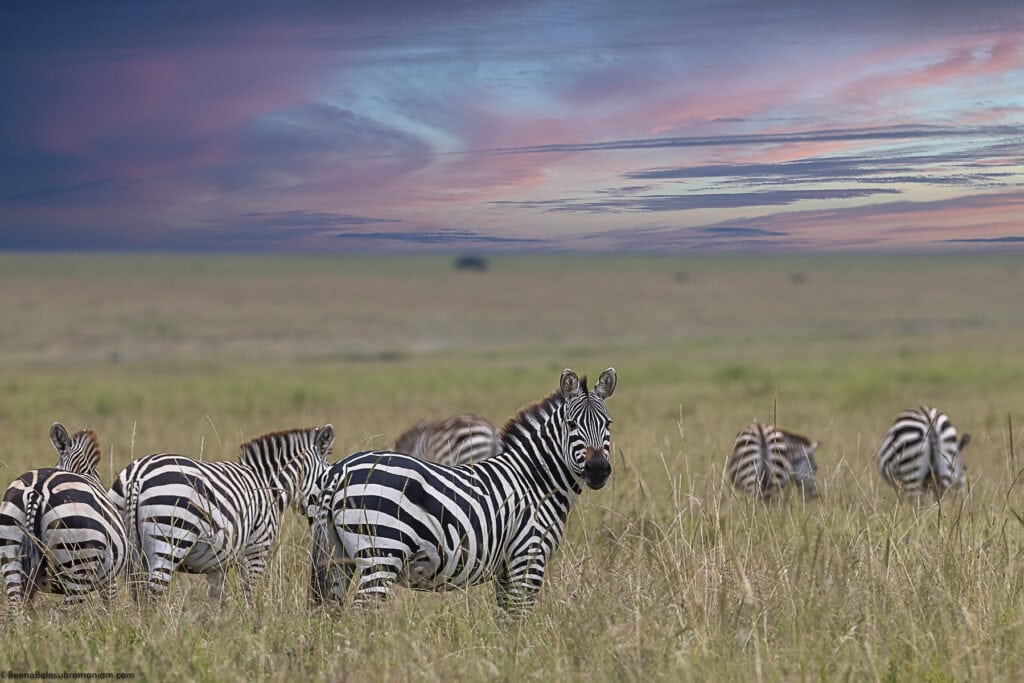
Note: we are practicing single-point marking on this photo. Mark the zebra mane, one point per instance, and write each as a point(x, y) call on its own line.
point(255, 451)
point(537, 412)
point(94, 440)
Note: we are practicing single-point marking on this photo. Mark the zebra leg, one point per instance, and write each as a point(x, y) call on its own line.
point(14, 586)
point(517, 585)
point(379, 568)
point(108, 592)
point(252, 568)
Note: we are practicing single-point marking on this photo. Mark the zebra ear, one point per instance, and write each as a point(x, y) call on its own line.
point(325, 439)
point(605, 384)
point(813, 447)
point(570, 384)
point(59, 437)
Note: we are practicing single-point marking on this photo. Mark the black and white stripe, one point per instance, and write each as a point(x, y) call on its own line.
point(201, 517)
point(920, 452)
point(389, 518)
point(766, 458)
point(58, 531)
point(457, 440)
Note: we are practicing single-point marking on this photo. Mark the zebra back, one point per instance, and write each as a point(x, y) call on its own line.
point(765, 458)
point(79, 453)
point(457, 440)
point(920, 452)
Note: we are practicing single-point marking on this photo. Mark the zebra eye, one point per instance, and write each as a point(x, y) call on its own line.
point(571, 424)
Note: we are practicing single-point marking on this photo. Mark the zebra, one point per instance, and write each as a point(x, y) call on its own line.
point(920, 452)
point(58, 532)
point(199, 517)
point(458, 440)
point(394, 518)
point(765, 458)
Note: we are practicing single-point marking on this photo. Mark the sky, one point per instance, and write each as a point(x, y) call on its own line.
point(452, 125)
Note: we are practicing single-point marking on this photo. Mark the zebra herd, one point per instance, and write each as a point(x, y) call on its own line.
point(456, 503)
point(380, 517)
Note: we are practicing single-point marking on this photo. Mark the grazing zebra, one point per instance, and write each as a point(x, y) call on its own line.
point(920, 451)
point(457, 440)
point(395, 518)
point(765, 458)
point(185, 515)
point(58, 532)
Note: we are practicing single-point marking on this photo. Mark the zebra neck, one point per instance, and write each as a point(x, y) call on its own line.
point(532, 447)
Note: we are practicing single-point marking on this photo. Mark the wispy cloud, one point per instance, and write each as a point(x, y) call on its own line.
point(690, 202)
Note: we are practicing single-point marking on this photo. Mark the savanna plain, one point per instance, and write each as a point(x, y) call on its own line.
point(667, 573)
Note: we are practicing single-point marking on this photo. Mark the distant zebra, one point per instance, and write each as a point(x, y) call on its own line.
point(58, 532)
point(458, 440)
point(390, 518)
point(199, 517)
point(921, 452)
point(765, 458)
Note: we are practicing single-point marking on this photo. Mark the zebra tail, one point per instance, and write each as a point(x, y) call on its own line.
point(134, 569)
point(320, 565)
point(33, 562)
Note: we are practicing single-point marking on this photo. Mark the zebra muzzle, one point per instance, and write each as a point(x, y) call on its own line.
point(596, 469)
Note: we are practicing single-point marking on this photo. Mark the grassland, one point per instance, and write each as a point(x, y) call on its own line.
point(666, 574)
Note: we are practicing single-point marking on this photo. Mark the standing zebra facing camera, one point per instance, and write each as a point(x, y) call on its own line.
point(765, 458)
point(921, 452)
point(387, 518)
point(458, 440)
point(58, 532)
point(201, 517)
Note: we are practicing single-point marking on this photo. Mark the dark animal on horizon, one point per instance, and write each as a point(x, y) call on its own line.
point(470, 263)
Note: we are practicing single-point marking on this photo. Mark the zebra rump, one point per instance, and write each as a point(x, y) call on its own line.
point(457, 440)
point(58, 531)
point(765, 458)
point(921, 452)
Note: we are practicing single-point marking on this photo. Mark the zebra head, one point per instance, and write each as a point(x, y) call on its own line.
point(79, 453)
point(586, 441)
point(315, 467)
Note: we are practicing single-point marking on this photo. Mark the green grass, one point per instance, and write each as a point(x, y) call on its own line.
point(666, 574)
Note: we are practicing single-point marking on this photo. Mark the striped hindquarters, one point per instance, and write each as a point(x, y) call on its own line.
point(920, 451)
point(59, 534)
point(457, 440)
point(765, 459)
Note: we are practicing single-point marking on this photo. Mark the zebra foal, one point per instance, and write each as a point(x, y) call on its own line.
point(921, 452)
point(765, 458)
point(200, 517)
point(387, 518)
point(457, 440)
point(58, 532)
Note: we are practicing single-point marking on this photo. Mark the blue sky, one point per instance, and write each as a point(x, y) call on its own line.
point(602, 126)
